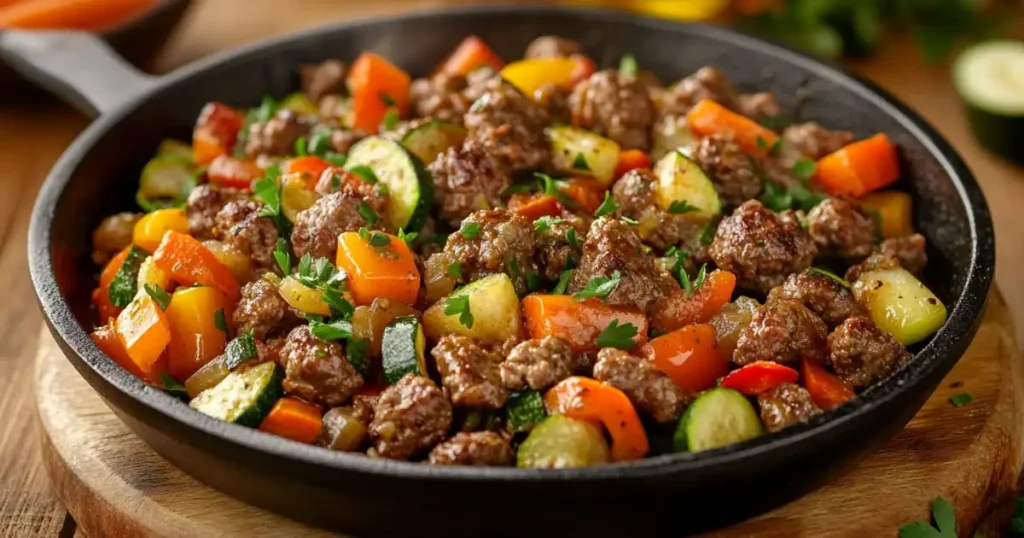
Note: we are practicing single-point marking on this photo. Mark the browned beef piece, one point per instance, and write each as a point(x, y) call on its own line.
point(317, 370)
point(510, 126)
point(862, 354)
point(874, 262)
point(549, 46)
point(269, 350)
point(240, 225)
point(786, 405)
point(909, 250)
point(782, 331)
point(759, 106)
point(842, 229)
point(730, 169)
point(278, 135)
point(466, 179)
point(477, 82)
point(705, 83)
point(634, 192)
point(112, 236)
point(614, 246)
point(815, 141)
point(342, 140)
point(361, 407)
point(650, 389)
point(503, 243)
point(614, 106)
point(263, 311)
point(553, 247)
point(473, 448)
point(555, 100)
point(409, 418)
point(440, 96)
point(827, 298)
point(470, 373)
point(323, 79)
point(537, 364)
point(760, 248)
point(317, 229)
point(204, 202)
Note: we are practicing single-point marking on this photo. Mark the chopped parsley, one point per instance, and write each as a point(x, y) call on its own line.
point(335, 330)
point(220, 321)
point(550, 187)
point(322, 275)
point(708, 235)
point(301, 146)
point(125, 284)
point(545, 223)
point(455, 270)
point(340, 307)
point(778, 198)
point(387, 99)
point(172, 387)
point(470, 230)
point(355, 353)
point(390, 122)
point(580, 163)
point(825, 272)
point(283, 256)
point(365, 172)
point(630, 221)
point(599, 286)
point(320, 142)
point(337, 159)
point(459, 305)
point(240, 350)
point(268, 191)
point(692, 287)
point(379, 240)
point(628, 66)
point(158, 294)
point(678, 270)
point(533, 281)
point(409, 238)
point(804, 169)
point(261, 114)
point(679, 207)
point(618, 336)
point(942, 515)
point(574, 240)
point(563, 282)
point(773, 149)
point(608, 206)
point(368, 214)
point(961, 400)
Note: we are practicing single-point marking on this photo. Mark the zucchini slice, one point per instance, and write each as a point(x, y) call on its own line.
point(166, 181)
point(579, 152)
point(900, 304)
point(410, 186)
point(402, 349)
point(718, 418)
point(680, 179)
point(432, 138)
point(525, 410)
point(208, 376)
point(990, 79)
point(175, 148)
point(242, 397)
point(561, 442)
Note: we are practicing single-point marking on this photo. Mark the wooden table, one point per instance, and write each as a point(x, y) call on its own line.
point(33, 136)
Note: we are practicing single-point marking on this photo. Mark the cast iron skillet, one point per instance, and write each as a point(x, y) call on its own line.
point(673, 494)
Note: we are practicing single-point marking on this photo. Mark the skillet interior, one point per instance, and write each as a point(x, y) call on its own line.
point(98, 176)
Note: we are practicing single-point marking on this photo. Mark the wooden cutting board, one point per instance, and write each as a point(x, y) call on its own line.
point(115, 485)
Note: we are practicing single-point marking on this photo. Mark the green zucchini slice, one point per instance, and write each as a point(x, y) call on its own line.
point(175, 148)
point(682, 182)
point(242, 397)
point(718, 418)
point(432, 138)
point(402, 349)
point(409, 184)
point(166, 181)
point(561, 442)
point(990, 79)
point(525, 410)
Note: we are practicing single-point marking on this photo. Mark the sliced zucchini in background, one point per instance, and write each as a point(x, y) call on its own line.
point(432, 138)
point(583, 153)
point(990, 80)
point(402, 349)
point(170, 147)
point(411, 189)
point(242, 397)
point(561, 442)
point(299, 104)
point(900, 304)
point(679, 179)
point(166, 181)
point(719, 417)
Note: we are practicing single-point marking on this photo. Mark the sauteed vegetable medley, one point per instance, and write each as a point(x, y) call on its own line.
point(535, 263)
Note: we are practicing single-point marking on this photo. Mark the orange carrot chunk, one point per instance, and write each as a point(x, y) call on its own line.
point(293, 419)
point(471, 54)
point(380, 266)
point(377, 86)
point(588, 399)
point(535, 207)
point(106, 339)
point(101, 295)
point(631, 159)
point(689, 356)
point(709, 117)
point(143, 330)
point(578, 322)
point(826, 389)
point(707, 300)
point(188, 262)
point(587, 193)
point(70, 14)
point(860, 167)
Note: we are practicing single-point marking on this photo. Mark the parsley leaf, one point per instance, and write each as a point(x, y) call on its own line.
point(459, 305)
point(336, 330)
point(387, 99)
point(268, 191)
point(608, 206)
point(692, 287)
point(825, 272)
point(283, 256)
point(679, 207)
point(630, 221)
point(364, 234)
point(337, 159)
point(455, 270)
point(961, 400)
point(172, 386)
point(240, 350)
point(409, 238)
point(532, 281)
point(580, 163)
point(365, 172)
point(390, 122)
point(301, 145)
point(804, 169)
point(368, 214)
point(563, 282)
point(761, 142)
point(628, 66)
point(708, 235)
point(545, 223)
point(220, 321)
point(379, 240)
point(573, 239)
point(551, 188)
point(617, 336)
point(320, 142)
point(158, 294)
point(776, 197)
point(340, 307)
point(945, 523)
point(355, 353)
point(599, 287)
point(470, 230)
point(125, 284)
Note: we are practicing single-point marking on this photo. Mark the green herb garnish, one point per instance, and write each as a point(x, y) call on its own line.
point(125, 283)
point(390, 122)
point(379, 240)
point(599, 287)
point(608, 206)
point(409, 238)
point(239, 350)
point(691, 287)
point(387, 99)
point(365, 172)
point(826, 273)
point(368, 214)
point(580, 163)
point(563, 282)
point(628, 66)
point(455, 270)
point(945, 523)
point(172, 387)
point(459, 305)
point(158, 294)
point(220, 321)
point(573, 239)
point(283, 256)
point(679, 207)
point(804, 169)
point(618, 336)
point(335, 330)
point(320, 142)
point(470, 230)
point(961, 400)
point(545, 223)
point(268, 191)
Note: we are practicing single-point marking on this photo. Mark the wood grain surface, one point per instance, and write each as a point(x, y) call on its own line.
point(115, 485)
point(33, 136)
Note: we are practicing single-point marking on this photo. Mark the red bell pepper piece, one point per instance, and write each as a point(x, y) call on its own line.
point(578, 322)
point(689, 356)
point(535, 207)
point(760, 376)
point(216, 132)
point(472, 53)
point(231, 172)
point(189, 262)
point(631, 159)
point(826, 389)
point(679, 310)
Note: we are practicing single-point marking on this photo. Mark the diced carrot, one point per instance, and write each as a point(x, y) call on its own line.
point(709, 117)
point(385, 271)
point(578, 322)
point(588, 399)
point(895, 210)
point(231, 172)
point(70, 14)
point(535, 207)
point(143, 330)
point(106, 339)
point(689, 356)
point(631, 159)
point(760, 376)
point(101, 295)
point(588, 193)
point(471, 54)
point(216, 132)
point(195, 337)
point(189, 262)
point(293, 419)
point(860, 167)
point(376, 85)
point(826, 389)
point(679, 310)
point(309, 168)
point(150, 229)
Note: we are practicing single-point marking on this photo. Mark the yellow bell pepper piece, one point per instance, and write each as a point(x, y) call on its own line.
point(687, 10)
point(895, 211)
point(151, 228)
point(144, 332)
point(195, 337)
point(528, 75)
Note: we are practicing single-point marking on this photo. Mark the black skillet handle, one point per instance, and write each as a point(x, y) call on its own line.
point(78, 67)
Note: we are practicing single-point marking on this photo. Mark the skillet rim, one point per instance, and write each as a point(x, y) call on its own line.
point(946, 346)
